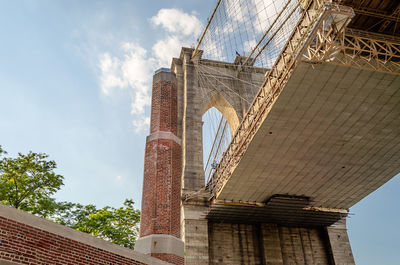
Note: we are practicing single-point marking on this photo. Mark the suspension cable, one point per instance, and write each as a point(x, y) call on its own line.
point(265, 34)
point(205, 30)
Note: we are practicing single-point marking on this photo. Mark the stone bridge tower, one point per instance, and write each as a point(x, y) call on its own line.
point(175, 202)
point(173, 224)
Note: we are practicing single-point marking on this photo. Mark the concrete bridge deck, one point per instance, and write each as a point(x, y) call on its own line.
point(333, 135)
point(323, 131)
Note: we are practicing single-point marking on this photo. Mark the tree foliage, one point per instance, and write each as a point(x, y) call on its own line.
point(28, 182)
point(118, 225)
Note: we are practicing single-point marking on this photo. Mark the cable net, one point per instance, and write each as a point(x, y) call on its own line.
point(221, 136)
point(242, 26)
point(255, 29)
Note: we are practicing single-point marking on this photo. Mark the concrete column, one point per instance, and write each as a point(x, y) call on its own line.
point(161, 198)
point(340, 248)
point(192, 125)
point(195, 228)
point(271, 244)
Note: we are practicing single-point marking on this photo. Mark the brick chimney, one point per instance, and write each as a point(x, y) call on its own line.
point(161, 198)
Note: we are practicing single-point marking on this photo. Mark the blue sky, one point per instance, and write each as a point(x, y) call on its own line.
point(75, 83)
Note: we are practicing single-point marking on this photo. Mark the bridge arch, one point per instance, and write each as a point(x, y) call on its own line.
point(203, 84)
point(228, 112)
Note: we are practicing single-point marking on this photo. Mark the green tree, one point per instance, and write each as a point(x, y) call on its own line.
point(118, 225)
point(28, 182)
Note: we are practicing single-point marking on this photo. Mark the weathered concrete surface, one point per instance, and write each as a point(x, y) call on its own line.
point(339, 243)
point(160, 244)
point(333, 135)
point(271, 244)
point(195, 227)
point(202, 84)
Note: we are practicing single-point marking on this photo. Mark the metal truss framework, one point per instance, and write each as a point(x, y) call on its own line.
point(378, 13)
point(356, 49)
point(319, 37)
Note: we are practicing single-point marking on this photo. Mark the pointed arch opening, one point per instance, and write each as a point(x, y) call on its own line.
point(219, 123)
point(226, 109)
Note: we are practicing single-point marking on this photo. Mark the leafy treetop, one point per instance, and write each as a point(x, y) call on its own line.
point(118, 225)
point(28, 182)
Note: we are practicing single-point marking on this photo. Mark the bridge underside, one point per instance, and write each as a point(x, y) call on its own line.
point(283, 210)
point(331, 138)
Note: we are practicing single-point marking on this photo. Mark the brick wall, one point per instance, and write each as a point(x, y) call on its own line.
point(161, 189)
point(171, 258)
point(164, 108)
point(27, 239)
point(162, 164)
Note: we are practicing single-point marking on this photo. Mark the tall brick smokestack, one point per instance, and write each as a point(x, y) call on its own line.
point(160, 217)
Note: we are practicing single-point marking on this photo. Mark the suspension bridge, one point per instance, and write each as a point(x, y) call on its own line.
point(309, 98)
point(332, 136)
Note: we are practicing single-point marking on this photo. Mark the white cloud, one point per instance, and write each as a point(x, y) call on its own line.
point(140, 100)
point(133, 70)
point(141, 124)
point(176, 21)
point(137, 70)
point(249, 45)
point(110, 73)
point(266, 12)
point(164, 50)
point(264, 15)
point(234, 10)
point(213, 48)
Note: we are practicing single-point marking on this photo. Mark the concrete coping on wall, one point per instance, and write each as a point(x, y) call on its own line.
point(160, 243)
point(63, 231)
point(6, 262)
point(160, 75)
point(163, 135)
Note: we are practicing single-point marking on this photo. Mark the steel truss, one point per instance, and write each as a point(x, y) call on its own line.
point(355, 49)
point(319, 37)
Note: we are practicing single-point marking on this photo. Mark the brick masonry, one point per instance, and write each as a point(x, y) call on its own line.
point(171, 258)
point(161, 189)
point(27, 239)
point(161, 197)
point(27, 245)
point(164, 108)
